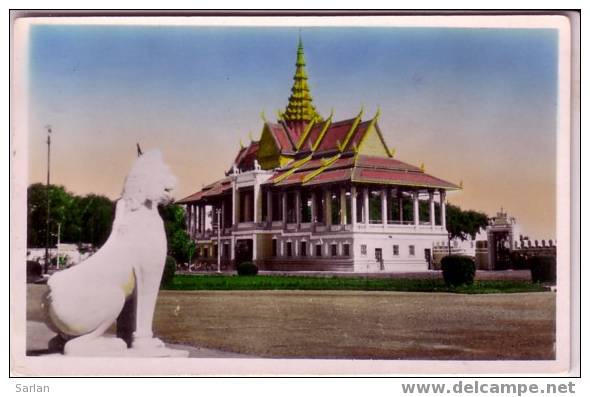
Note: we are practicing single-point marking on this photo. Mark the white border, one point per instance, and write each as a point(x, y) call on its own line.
point(43, 366)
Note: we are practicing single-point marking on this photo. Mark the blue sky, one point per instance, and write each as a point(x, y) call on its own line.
point(477, 105)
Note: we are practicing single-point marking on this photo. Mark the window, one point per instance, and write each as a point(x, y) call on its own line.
point(318, 250)
point(303, 251)
point(205, 252)
point(395, 250)
point(363, 249)
point(225, 251)
point(412, 250)
point(334, 249)
point(274, 247)
point(289, 248)
point(346, 249)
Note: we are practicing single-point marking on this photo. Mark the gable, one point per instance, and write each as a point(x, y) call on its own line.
point(372, 144)
point(268, 152)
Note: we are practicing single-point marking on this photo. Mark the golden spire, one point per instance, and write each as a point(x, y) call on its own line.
point(300, 107)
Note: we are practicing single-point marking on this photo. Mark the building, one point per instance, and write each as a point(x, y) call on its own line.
point(319, 194)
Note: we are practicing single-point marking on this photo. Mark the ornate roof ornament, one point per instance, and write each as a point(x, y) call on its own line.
point(300, 107)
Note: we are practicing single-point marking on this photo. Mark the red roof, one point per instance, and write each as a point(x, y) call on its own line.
point(214, 189)
point(358, 134)
point(384, 162)
point(246, 156)
point(281, 137)
point(336, 134)
point(404, 178)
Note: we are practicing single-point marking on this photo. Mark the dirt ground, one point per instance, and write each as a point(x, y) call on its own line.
point(355, 324)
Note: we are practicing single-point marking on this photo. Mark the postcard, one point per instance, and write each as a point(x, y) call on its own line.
point(353, 195)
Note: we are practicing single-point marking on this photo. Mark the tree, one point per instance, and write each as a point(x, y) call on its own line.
point(81, 219)
point(180, 246)
point(462, 224)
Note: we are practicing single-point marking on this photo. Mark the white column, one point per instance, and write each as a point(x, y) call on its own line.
point(366, 206)
point(443, 209)
point(431, 205)
point(298, 208)
point(200, 216)
point(328, 207)
point(254, 248)
point(222, 223)
point(257, 202)
point(343, 206)
point(232, 254)
point(384, 206)
point(416, 209)
point(313, 208)
point(194, 222)
point(235, 204)
point(353, 205)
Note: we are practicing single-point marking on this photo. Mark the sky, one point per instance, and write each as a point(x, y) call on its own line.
point(474, 105)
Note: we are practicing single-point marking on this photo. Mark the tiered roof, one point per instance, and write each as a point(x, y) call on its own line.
point(300, 110)
point(305, 150)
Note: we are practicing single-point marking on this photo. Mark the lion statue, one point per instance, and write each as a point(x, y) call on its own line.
point(86, 299)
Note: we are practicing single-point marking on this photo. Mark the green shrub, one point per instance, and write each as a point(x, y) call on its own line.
point(543, 269)
point(34, 271)
point(518, 261)
point(169, 271)
point(458, 270)
point(247, 269)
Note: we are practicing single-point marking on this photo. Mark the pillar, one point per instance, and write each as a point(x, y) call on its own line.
point(343, 206)
point(366, 206)
point(416, 209)
point(443, 209)
point(257, 203)
point(328, 207)
point(313, 208)
point(194, 222)
point(384, 206)
point(298, 208)
point(235, 205)
point(353, 205)
point(431, 205)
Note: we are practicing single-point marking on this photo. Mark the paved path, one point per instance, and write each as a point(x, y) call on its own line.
point(38, 336)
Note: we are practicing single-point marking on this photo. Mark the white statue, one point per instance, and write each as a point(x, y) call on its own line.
point(85, 300)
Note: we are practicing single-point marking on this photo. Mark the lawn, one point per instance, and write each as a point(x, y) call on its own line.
point(354, 324)
point(266, 282)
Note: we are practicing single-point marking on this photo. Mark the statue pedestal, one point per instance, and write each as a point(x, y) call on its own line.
point(116, 347)
point(156, 352)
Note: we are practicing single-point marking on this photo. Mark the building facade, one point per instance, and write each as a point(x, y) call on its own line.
point(316, 194)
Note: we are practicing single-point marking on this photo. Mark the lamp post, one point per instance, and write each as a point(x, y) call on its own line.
point(450, 236)
point(47, 199)
point(218, 211)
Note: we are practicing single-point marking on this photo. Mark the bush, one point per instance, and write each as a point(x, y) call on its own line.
point(169, 271)
point(458, 270)
point(247, 269)
point(543, 269)
point(34, 271)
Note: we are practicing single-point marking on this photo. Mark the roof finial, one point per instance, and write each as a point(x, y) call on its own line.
point(300, 107)
point(262, 116)
point(422, 167)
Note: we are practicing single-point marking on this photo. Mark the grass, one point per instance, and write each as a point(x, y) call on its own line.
point(226, 283)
